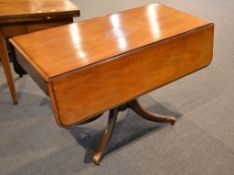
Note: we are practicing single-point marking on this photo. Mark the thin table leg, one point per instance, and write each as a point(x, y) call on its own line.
point(106, 136)
point(137, 108)
point(6, 68)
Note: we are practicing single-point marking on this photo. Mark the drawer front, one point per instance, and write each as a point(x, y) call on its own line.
point(32, 27)
point(11, 30)
point(14, 29)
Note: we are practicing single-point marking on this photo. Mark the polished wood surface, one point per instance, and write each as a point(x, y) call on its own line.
point(24, 10)
point(102, 86)
point(91, 41)
point(98, 64)
point(22, 16)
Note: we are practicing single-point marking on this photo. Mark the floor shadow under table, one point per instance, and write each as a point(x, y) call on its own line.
point(129, 128)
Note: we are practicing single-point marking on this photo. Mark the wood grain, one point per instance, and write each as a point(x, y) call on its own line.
point(101, 63)
point(18, 17)
point(35, 10)
point(36, 26)
point(13, 30)
point(91, 41)
point(115, 82)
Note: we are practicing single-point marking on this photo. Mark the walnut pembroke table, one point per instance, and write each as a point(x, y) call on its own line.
point(105, 63)
point(18, 17)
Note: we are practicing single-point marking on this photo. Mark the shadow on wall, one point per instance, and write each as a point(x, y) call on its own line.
point(127, 130)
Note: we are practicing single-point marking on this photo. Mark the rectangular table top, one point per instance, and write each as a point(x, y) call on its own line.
point(95, 65)
point(12, 9)
point(67, 48)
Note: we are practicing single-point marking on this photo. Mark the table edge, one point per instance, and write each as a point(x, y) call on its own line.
point(130, 52)
point(48, 77)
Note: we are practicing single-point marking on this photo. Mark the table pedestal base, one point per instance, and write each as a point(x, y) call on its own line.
point(137, 108)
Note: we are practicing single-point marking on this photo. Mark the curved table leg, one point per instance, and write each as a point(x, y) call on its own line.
point(106, 136)
point(137, 108)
